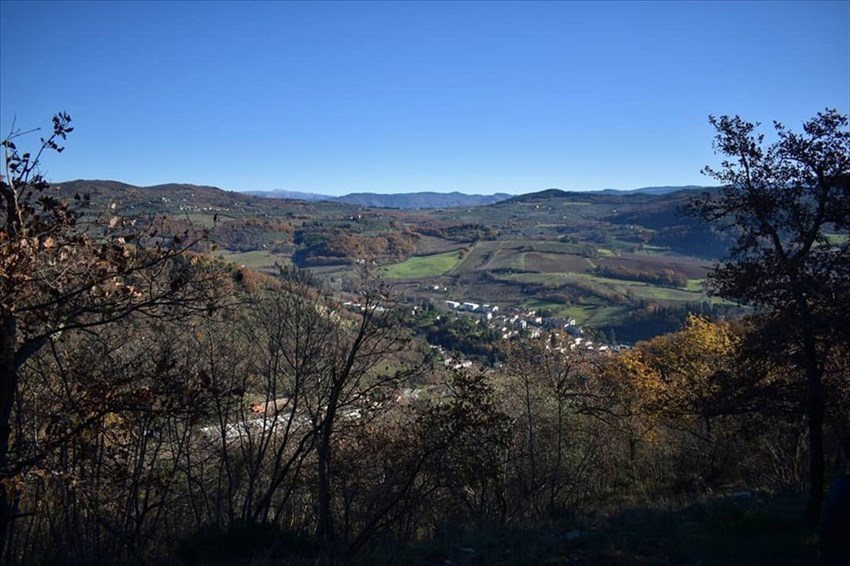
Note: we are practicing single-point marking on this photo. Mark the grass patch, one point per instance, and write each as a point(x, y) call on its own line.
point(546, 279)
point(198, 219)
point(594, 314)
point(638, 289)
point(604, 252)
point(535, 304)
point(663, 293)
point(508, 258)
point(256, 259)
point(423, 266)
point(610, 287)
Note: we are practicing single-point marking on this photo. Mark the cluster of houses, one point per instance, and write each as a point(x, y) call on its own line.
point(191, 207)
point(510, 323)
point(516, 321)
point(473, 307)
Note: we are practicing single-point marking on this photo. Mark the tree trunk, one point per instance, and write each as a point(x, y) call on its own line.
point(815, 413)
point(326, 531)
point(326, 534)
point(532, 456)
point(8, 385)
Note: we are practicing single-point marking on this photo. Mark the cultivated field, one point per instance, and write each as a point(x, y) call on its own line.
point(423, 266)
point(650, 262)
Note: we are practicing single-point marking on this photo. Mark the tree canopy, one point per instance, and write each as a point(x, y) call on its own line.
point(788, 204)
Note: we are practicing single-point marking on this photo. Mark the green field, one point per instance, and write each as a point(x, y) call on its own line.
point(541, 304)
point(593, 314)
point(423, 266)
point(637, 289)
point(607, 287)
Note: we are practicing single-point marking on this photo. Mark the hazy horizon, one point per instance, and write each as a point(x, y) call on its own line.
point(390, 192)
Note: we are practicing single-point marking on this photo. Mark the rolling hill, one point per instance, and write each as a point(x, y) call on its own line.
point(612, 260)
point(416, 200)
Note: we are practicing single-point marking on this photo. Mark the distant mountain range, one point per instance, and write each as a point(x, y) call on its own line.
point(417, 200)
point(430, 199)
point(290, 195)
point(655, 190)
point(425, 199)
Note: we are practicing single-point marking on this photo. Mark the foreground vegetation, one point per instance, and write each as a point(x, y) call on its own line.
point(722, 530)
point(162, 405)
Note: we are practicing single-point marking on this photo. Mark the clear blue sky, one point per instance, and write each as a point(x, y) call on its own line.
point(338, 97)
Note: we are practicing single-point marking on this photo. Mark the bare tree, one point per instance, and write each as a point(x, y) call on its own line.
point(62, 272)
point(548, 379)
